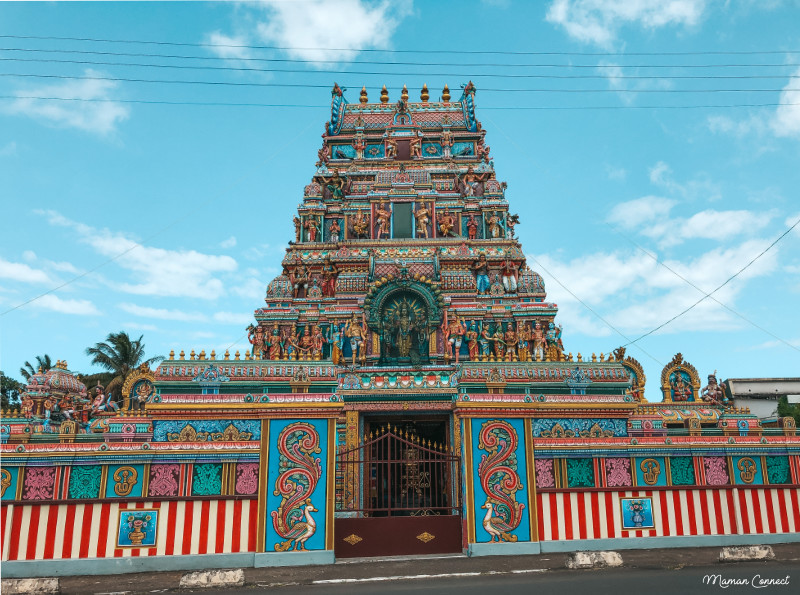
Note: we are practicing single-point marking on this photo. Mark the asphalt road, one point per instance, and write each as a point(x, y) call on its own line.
point(739, 578)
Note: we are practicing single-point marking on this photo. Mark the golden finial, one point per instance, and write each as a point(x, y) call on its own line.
point(363, 98)
point(227, 354)
point(580, 357)
point(384, 95)
point(404, 93)
point(202, 354)
point(602, 357)
point(424, 96)
point(182, 354)
point(171, 354)
point(594, 357)
point(236, 355)
point(370, 435)
point(213, 354)
point(446, 94)
point(191, 354)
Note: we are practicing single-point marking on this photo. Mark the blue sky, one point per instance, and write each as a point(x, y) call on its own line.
point(200, 198)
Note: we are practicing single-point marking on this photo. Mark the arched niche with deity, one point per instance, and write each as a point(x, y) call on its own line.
point(680, 382)
point(403, 312)
point(636, 373)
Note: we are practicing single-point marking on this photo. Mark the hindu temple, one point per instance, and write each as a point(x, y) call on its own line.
point(408, 391)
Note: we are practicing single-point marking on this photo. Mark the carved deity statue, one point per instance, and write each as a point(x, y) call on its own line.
point(334, 229)
point(422, 217)
point(356, 331)
point(712, 392)
point(298, 225)
point(446, 223)
point(454, 331)
point(299, 279)
point(329, 274)
point(360, 225)
point(472, 343)
point(495, 229)
point(472, 227)
point(255, 335)
point(312, 228)
point(275, 343)
point(383, 216)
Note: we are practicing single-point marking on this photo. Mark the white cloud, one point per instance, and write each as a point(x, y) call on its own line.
point(753, 124)
point(91, 106)
point(16, 271)
point(647, 209)
point(599, 21)
point(229, 243)
point(616, 173)
point(233, 317)
point(307, 28)
point(140, 326)
point(8, 149)
point(698, 188)
point(635, 294)
point(56, 304)
point(162, 313)
point(786, 121)
point(177, 273)
point(251, 289)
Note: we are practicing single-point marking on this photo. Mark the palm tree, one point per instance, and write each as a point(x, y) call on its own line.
point(120, 356)
point(43, 362)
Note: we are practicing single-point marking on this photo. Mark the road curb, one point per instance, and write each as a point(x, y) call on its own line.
point(746, 552)
point(593, 560)
point(33, 586)
point(212, 578)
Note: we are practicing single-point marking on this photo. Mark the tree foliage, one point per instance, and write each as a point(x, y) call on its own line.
point(120, 356)
point(787, 410)
point(10, 390)
point(43, 363)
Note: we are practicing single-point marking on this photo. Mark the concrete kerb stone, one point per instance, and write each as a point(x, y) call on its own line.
point(746, 552)
point(33, 586)
point(213, 578)
point(594, 560)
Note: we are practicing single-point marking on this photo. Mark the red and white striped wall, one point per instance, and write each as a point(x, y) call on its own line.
point(73, 531)
point(736, 511)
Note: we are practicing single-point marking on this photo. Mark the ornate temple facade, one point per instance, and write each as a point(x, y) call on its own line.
point(407, 392)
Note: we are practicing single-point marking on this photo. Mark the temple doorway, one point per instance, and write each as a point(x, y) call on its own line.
point(399, 490)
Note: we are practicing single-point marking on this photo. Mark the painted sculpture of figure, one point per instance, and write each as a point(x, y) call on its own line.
point(712, 392)
point(404, 326)
point(681, 390)
point(555, 348)
point(318, 343)
point(472, 228)
point(357, 333)
point(510, 339)
point(335, 184)
point(447, 142)
point(509, 272)
point(360, 225)
point(498, 339)
point(306, 344)
point(511, 222)
point(495, 229)
point(481, 269)
point(27, 406)
point(336, 340)
point(472, 343)
point(298, 226)
point(275, 343)
point(329, 274)
point(471, 183)
point(422, 216)
point(538, 342)
point(523, 342)
point(415, 145)
point(446, 223)
point(383, 216)
point(255, 334)
point(391, 148)
point(312, 228)
point(291, 343)
point(485, 341)
point(299, 279)
point(334, 229)
point(454, 331)
point(359, 145)
point(323, 154)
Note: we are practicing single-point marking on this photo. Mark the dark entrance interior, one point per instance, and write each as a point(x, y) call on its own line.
point(398, 492)
point(403, 151)
point(402, 220)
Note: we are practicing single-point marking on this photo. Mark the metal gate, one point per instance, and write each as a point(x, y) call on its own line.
point(397, 494)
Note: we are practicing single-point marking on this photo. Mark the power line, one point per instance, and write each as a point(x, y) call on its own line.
point(386, 51)
point(293, 105)
point(708, 295)
point(428, 74)
point(688, 282)
point(320, 86)
point(370, 62)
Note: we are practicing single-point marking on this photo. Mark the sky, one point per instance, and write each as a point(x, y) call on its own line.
point(651, 149)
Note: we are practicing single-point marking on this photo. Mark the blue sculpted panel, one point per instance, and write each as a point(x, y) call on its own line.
point(375, 151)
point(579, 428)
point(463, 149)
point(161, 429)
point(431, 150)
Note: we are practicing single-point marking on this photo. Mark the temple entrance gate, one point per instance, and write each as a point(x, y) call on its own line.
point(397, 494)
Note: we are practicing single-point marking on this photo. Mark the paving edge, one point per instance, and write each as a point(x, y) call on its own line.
point(746, 552)
point(212, 578)
point(594, 560)
point(12, 586)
